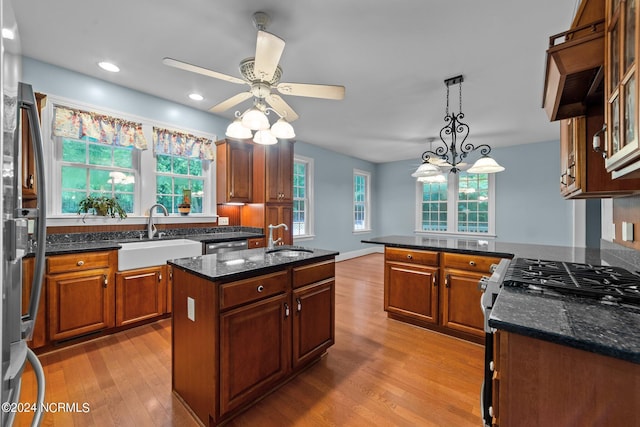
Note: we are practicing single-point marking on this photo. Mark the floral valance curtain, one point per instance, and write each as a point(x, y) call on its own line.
point(181, 144)
point(109, 130)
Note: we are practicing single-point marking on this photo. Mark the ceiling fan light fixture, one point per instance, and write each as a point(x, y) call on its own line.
point(255, 119)
point(237, 131)
point(265, 137)
point(282, 129)
point(485, 164)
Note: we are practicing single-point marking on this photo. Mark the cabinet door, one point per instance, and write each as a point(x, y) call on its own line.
point(279, 172)
point(39, 330)
point(80, 303)
point(278, 214)
point(572, 137)
point(461, 302)
point(140, 294)
point(411, 290)
point(255, 342)
point(234, 171)
point(313, 320)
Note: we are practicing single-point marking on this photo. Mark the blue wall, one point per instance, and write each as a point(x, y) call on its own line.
point(529, 208)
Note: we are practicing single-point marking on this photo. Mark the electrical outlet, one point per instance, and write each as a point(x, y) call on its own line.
point(627, 231)
point(223, 220)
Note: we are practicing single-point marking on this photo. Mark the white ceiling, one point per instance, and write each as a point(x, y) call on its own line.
point(392, 57)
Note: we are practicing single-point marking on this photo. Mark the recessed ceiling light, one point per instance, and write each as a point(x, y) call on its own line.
point(8, 34)
point(196, 96)
point(108, 66)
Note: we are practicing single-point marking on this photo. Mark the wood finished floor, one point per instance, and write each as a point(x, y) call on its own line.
point(380, 372)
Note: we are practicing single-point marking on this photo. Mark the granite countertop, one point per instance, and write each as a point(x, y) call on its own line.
point(246, 263)
point(577, 322)
point(573, 321)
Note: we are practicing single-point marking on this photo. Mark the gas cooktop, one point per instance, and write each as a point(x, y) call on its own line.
point(607, 283)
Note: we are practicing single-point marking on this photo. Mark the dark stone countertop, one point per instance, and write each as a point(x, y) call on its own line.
point(246, 263)
point(577, 322)
point(573, 321)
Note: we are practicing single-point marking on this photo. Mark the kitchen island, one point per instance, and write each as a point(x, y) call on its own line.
point(245, 322)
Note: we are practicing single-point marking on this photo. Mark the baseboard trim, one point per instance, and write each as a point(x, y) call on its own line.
point(360, 252)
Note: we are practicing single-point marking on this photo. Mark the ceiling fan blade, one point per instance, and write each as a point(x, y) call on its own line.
point(278, 104)
point(201, 70)
point(269, 49)
point(312, 91)
point(228, 103)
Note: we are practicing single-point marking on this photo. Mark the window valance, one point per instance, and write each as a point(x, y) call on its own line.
point(109, 130)
point(182, 144)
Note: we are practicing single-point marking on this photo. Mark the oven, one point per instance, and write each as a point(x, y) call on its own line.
point(490, 287)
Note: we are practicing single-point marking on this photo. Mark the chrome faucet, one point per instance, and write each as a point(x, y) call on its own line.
point(272, 242)
point(151, 228)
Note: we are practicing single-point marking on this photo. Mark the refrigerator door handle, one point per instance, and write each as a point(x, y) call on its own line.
point(27, 100)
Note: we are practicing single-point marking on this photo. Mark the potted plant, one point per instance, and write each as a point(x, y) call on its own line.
point(185, 207)
point(101, 205)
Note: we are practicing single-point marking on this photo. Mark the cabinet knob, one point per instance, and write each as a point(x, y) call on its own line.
point(30, 181)
point(80, 263)
point(472, 263)
point(409, 256)
point(105, 280)
point(286, 310)
point(491, 411)
point(260, 288)
point(299, 304)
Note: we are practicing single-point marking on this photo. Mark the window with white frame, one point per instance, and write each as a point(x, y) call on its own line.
point(175, 174)
point(302, 196)
point(462, 203)
point(361, 209)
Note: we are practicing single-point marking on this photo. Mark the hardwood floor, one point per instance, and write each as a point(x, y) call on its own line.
point(380, 372)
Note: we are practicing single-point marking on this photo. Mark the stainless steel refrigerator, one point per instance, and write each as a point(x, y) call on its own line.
point(23, 230)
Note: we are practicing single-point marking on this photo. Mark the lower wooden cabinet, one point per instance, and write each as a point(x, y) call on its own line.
point(141, 294)
point(436, 290)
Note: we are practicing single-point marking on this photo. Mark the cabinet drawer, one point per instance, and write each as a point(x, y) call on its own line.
point(481, 264)
point(255, 288)
point(413, 256)
point(77, 262)
point(255, 243)
point(312, 273)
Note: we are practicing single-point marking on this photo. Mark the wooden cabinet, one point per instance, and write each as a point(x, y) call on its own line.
point(80, 293)
point(279, 172)
point(28, 173)
point(256, 243)
point(234, 171)
point(621, 88)
point(39, 338)
point(539, 383)
point(141, 294)
point(280, 214)
point(247, 337)
point(436, 290)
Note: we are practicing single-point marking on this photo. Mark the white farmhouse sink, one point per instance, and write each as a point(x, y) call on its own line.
point(155, 252)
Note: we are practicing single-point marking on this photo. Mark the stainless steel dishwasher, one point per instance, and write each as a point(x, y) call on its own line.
point(222, 247)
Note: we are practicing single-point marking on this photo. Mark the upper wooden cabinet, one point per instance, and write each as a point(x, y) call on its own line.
point(28, 176)
point(279, 172)
point(623, 148)
point(234, 171)
point(582, 170)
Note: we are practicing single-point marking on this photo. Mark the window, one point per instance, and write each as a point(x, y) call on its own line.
point(175, 174)
point(361, 201)
point(302, 196)
point(463, 203)
point(92, 168)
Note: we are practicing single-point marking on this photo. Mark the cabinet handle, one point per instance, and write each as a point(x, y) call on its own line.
point(446, 281)
point(80, 263)
point(434, 279)
point(299, 305)
point(286, 310)
point(105, 281)
point(159, 277)
point(230, 193)
point(30, 181)
point(260, 288)
point(472, 263)
point(409, 256)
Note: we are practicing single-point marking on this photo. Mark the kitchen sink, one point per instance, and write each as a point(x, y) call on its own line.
point(289, 252)
point(155, 252)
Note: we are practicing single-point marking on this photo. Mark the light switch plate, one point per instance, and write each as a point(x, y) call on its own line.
point(191, 309)
point(223, 220)
point(627, 231)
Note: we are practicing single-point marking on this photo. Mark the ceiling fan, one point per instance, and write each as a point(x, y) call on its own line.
point(262, 74)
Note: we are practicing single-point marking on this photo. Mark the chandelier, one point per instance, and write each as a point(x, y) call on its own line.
point(455, 149)
point(255, 119)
